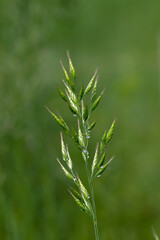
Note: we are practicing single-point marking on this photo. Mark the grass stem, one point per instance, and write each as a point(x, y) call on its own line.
point(92, 199)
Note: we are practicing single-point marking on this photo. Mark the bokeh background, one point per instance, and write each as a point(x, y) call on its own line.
point(122, 39)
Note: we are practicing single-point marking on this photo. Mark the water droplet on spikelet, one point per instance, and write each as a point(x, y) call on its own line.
point(84, 150)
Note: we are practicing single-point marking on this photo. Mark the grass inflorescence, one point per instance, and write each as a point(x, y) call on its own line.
point(76, 101)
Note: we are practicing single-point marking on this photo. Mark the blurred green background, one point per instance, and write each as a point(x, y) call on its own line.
point(122, 39)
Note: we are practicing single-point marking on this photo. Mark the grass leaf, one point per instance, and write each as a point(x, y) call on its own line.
point(85, 113)
point(70, 93)
point(63, 96)
point(94, 91)
point(68, 79)
point(78, 201)
point(69, 160)
point(60, 121)
point(90, 84)
point(81, 93)
point(102, 168)
point(103, 141)
point(80, 136)
point(110, 132)
point(82, 188)
point(71, 68)
point(96, 102)
point(101, 160)
point(69, 175)
point(95, 160)
point(63, 149)
point(91, 126)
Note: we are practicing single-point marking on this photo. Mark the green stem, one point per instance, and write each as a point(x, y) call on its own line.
point(94, 210)
point(93, 201)
point(85, 127)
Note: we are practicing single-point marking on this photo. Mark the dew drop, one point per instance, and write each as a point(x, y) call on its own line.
point(84, 150)
point(87, 154)
point(98, 175)
point(74, 115)
point(88, 136)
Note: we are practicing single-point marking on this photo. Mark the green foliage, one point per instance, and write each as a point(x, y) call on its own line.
point(82, 111)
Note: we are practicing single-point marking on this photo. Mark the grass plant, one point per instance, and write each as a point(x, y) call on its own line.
point(77, 103)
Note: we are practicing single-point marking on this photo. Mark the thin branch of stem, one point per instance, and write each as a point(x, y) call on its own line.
point(91, 188)
point(93, 201)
